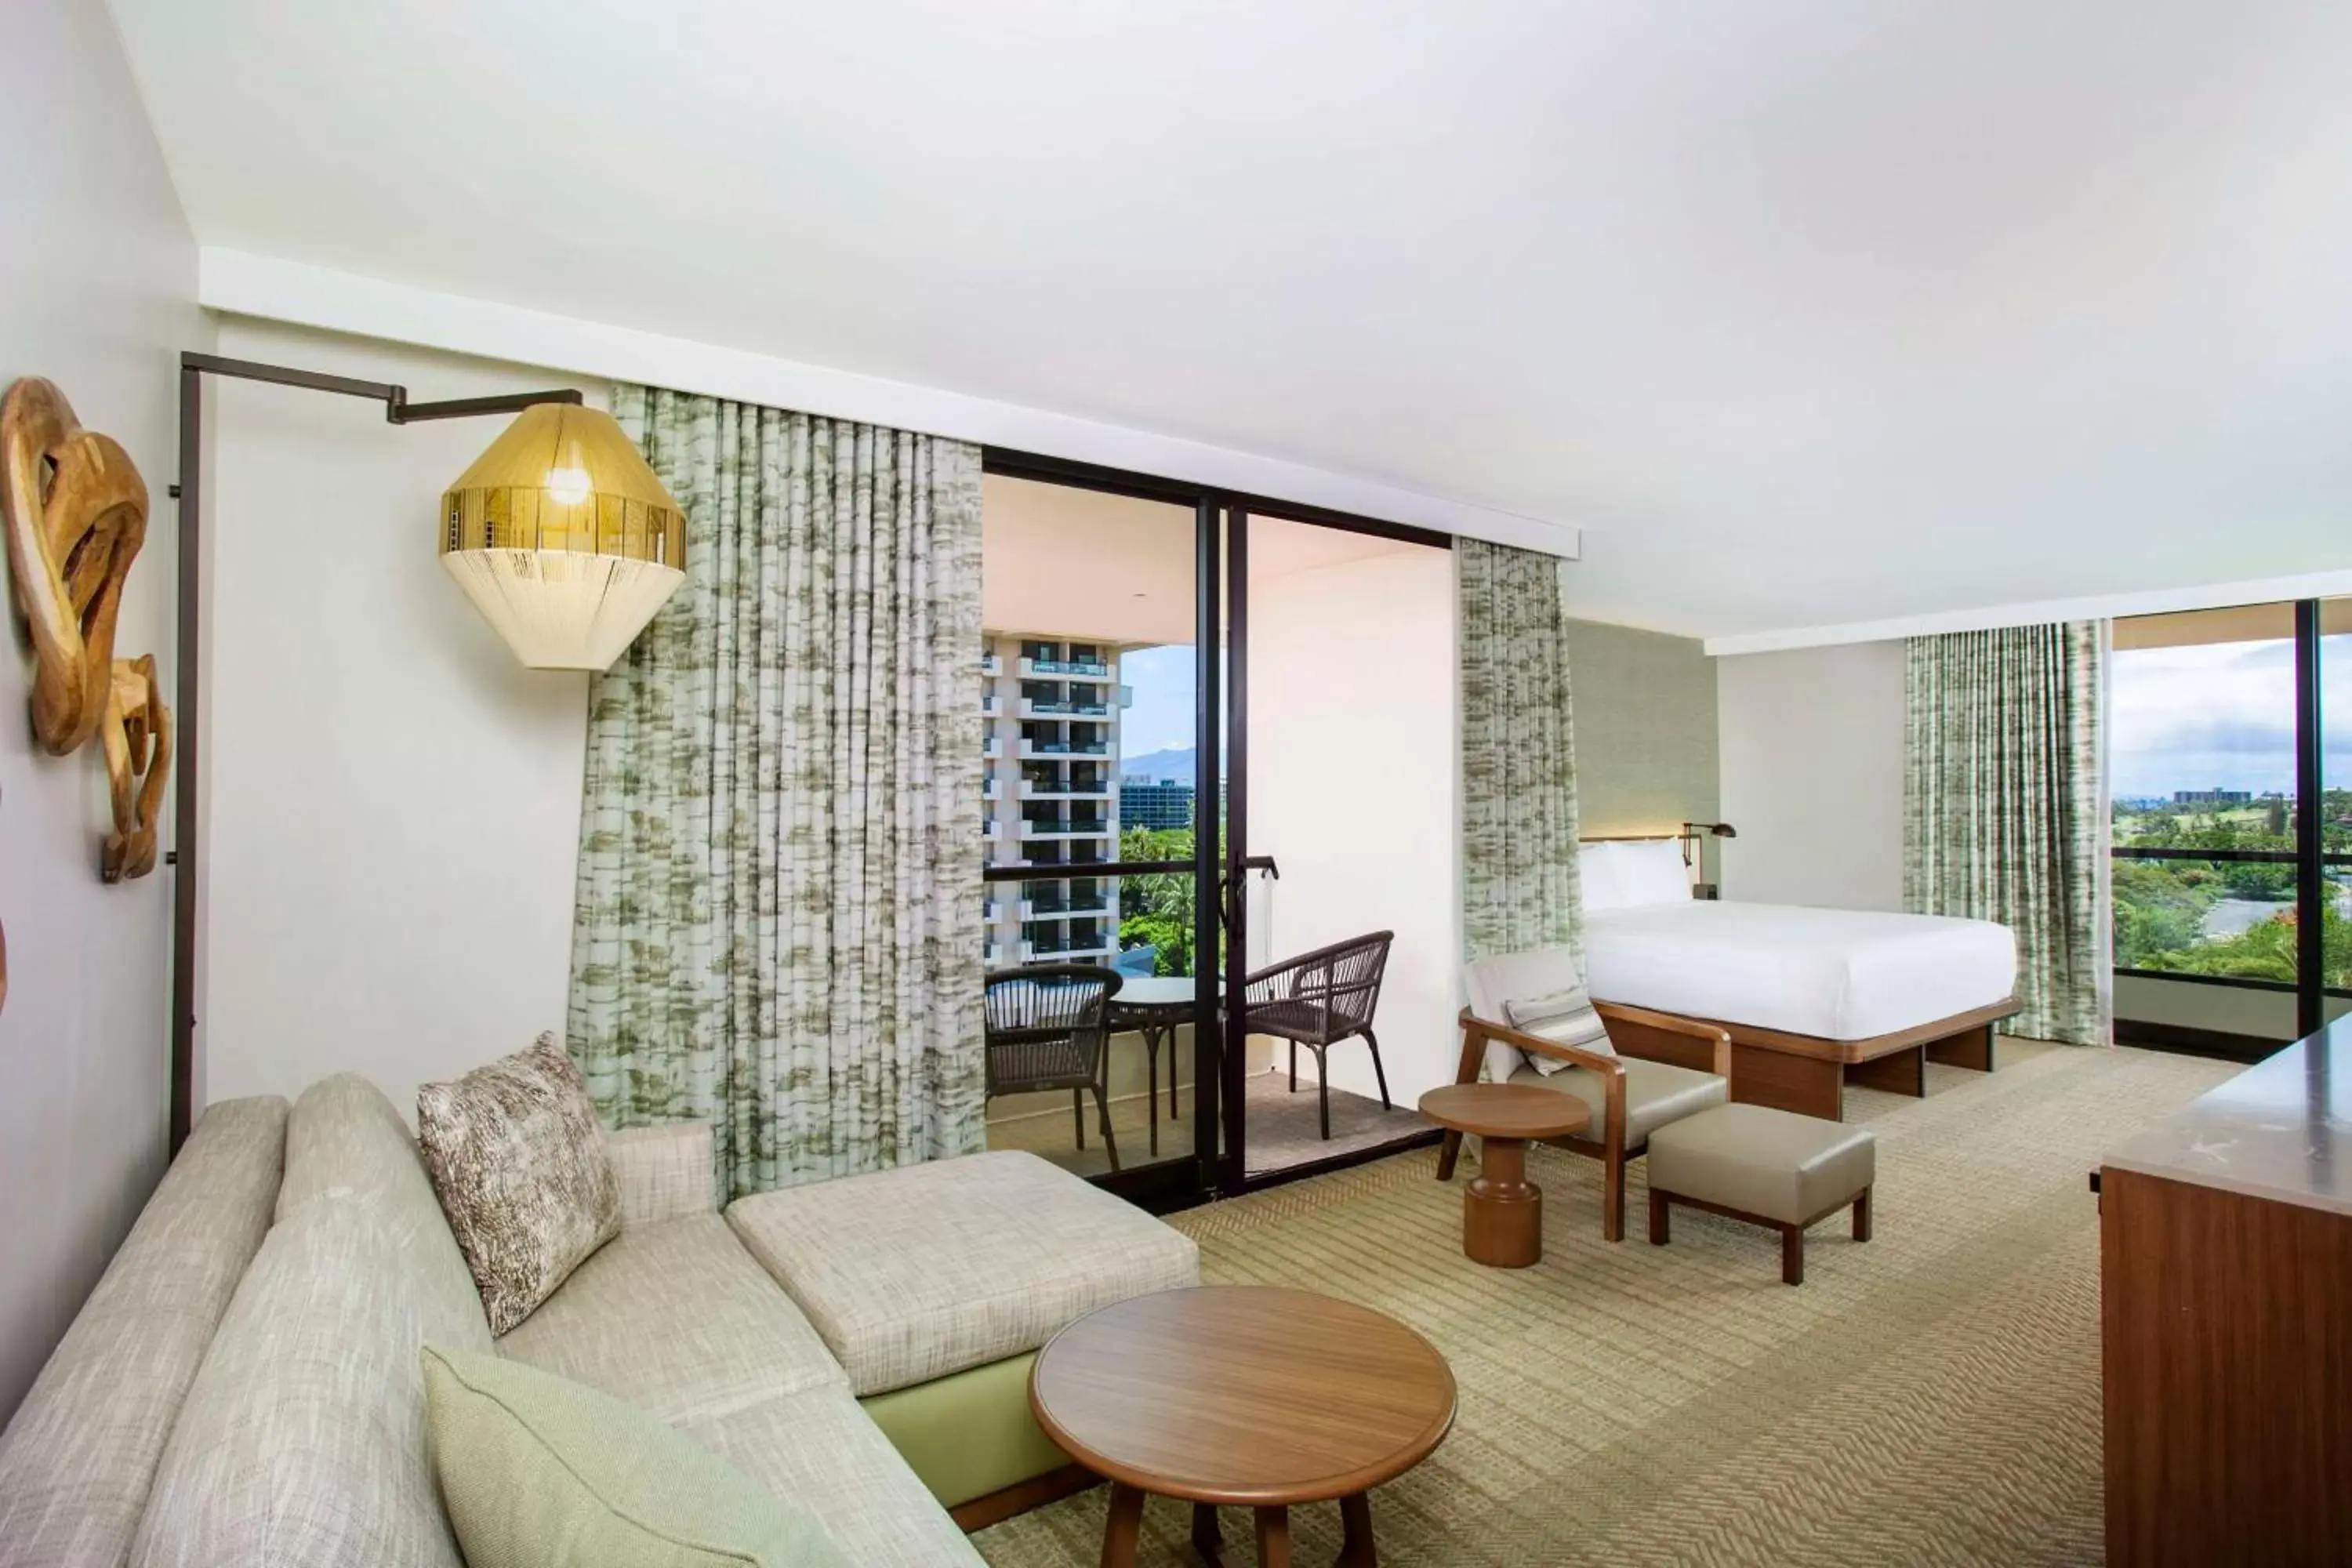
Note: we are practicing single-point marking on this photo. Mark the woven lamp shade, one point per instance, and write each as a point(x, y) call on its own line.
point(563, 538)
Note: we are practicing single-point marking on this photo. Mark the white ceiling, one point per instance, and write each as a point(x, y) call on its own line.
point(1810, 312)
point(1079, 563)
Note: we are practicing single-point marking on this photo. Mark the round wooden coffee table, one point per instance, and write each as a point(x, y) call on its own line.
point(1247, 1395)
point(1502, 1211)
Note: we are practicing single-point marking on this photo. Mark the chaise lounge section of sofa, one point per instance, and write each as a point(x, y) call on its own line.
point(245, 1386)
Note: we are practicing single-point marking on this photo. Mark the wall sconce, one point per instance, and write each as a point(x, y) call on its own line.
point(1692, 833)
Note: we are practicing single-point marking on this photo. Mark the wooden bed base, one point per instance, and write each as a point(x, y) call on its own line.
point(1807, 1073)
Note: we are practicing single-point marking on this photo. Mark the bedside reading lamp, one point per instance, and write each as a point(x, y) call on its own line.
point(1692, 833)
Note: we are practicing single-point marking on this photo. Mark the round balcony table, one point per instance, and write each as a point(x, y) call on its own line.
point(1502, 1211)
point(1154, 1005)
point(1242, 1395)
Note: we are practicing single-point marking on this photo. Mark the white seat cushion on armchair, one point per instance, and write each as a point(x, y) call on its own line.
point(1539, 993)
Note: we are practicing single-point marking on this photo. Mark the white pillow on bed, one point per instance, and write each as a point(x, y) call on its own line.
point(1649, 871)
point(1596, 871)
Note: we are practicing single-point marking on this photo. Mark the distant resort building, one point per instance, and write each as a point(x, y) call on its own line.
point(2212, 797)
point(1159, 804)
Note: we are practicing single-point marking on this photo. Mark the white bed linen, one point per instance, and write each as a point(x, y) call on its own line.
point(1843, 974)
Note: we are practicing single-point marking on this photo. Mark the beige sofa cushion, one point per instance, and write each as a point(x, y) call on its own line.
point(346, 1140)
point(818, 1449)
point(79, 1457)
point(518, 1161)
point(1764, 1162)
point(678, 1320)
point(918, 1272)
point(1656, 1094)
point(303, 1439)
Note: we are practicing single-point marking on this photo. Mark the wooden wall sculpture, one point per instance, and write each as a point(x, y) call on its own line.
point(76, 514)
point(75, 511)
point(137, 736)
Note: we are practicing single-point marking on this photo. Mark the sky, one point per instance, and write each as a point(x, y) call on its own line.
point(2221, 716)
point(1161, 718)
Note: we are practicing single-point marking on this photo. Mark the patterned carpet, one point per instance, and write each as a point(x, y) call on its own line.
point(1931, 1397)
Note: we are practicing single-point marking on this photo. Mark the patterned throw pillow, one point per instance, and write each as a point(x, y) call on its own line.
point(1564, 1018)
point(517, 1159)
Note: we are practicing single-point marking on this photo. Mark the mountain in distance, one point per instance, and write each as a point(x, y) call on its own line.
point(1175, 762)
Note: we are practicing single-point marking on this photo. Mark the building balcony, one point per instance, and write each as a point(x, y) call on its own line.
point(1063, 749)
point(1064, 830)
point(1037, 912)
point(991, 705)
point(1066, 668)
point(996, 955)
point(1032, 790)
point(992, 788)
point(994, 747)
point(991, 830)
point(991, 663)
point(1031, 708)
point(1064, 949)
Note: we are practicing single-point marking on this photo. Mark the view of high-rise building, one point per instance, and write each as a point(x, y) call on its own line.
point(1050, 711)
point(1155, 803)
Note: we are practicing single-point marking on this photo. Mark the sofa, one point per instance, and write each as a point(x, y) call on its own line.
point(244, 1388)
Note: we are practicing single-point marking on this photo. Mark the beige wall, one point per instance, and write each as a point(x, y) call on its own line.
point(1645, 730)
point(1813, 776)
point(1351, 768)
point(99, 270)
point(394, 801)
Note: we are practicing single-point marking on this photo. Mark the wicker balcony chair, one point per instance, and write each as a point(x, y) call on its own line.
point(1047, 1029)
point(1319, 999)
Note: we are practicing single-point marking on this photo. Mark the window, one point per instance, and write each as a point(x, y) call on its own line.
point(2224, 874)
point(2204, 763)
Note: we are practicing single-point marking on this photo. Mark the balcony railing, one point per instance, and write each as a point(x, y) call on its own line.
point(1064, 829)
point(1070, 669)
point(2126, 905)
point(1075, 790)
point(991, 663)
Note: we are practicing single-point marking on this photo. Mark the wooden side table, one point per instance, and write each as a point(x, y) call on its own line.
point(1243, 1395)
point(1502, 1211)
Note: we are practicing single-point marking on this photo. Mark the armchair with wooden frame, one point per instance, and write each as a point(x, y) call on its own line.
point(1629, 1094)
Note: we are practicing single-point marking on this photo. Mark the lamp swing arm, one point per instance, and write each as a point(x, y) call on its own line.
point(189, 492)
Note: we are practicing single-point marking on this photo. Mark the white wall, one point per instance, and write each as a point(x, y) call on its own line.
point(99, 270)
point(394, 800)
point(1351, 713)
point(1813, 776)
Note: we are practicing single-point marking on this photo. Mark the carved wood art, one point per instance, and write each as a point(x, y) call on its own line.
point(76, 513)
point(137, 737)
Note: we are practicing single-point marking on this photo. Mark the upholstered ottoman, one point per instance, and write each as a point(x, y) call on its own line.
point(1768, 1167)
point(935, 1285)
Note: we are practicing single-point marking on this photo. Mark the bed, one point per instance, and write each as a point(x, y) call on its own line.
point(1814, 999)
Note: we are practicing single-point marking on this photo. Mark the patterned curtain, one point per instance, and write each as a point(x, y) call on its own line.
point(777, 926)
point(1519, 887)
point(2005, 808)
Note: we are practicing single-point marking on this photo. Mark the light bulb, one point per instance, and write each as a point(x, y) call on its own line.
point(567, 487)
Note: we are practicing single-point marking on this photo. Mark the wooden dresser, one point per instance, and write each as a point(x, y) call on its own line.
point(2225, 1268)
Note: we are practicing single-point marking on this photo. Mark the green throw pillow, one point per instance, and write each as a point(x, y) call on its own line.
point(538, 1471)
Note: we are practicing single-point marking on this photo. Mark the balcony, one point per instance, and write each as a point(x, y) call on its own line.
point(991, 830)
point(1063, 749)
point(1094, 828)
point(1067, 946)
point(994, 747)
point(991, 705)
point(1066, 668)
point(991, 663)
point(1035, 909)
point(992, 788)
point(1031, 707)
point(995, 955)
point(1070, 789)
